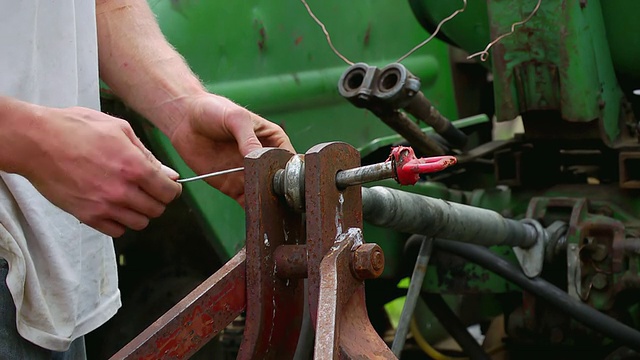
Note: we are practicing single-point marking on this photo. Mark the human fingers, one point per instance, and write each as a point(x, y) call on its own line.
point(172, 174)
point(160, 185)
point(139, 201)
point(129, 218)
point(109, 227)
point(131, 135)
point(156, 179)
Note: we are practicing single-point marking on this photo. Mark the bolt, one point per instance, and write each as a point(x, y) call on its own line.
point(599, 281)
point(367, 261)
point(599, 253)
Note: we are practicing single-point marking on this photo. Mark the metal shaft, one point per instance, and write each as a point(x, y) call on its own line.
point(417, 214)
point(364, 174)
point(421, 108)
point(399, 122)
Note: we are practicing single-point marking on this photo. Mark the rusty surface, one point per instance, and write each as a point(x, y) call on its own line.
point(291, 261)
point(336, 287)
point(274, 305)
point(330, 213)
point(196, 319)
point(367, 261)
point(359, 340)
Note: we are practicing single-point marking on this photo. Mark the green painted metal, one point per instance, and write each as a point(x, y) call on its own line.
point(470, 278)
point(559, 60)
point(469, 30)
point(556, 61)
point(621, 22)
point(274, 59)
point(395, 139)
point(304, 90)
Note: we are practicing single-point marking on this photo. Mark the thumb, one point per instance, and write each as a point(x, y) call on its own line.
point(172, 174)
point(242, 130)
point(131, 135)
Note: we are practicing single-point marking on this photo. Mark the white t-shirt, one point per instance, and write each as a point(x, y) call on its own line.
point(62, 274)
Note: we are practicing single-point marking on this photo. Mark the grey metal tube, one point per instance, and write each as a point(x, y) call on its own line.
point(365, 174)
point(418, 214)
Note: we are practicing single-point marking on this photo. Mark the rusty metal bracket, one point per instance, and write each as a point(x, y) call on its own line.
point(330, 213)
point(266, 278)
point(196, 319)
point(274, 304)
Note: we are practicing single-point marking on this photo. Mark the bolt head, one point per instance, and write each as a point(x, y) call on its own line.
point(367, 261)
point(599, 253)
point(599, 281)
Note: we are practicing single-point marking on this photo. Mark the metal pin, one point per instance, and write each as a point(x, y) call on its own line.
point(204, 176)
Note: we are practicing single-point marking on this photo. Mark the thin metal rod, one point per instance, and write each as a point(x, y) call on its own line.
point(204, 176)
point(435, 32)
point(326, 33)
point(365, 174)
point(413, 294)
point(418, 214)
point(484, 54)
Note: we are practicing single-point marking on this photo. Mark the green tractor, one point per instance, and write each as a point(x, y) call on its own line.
point(545, 96)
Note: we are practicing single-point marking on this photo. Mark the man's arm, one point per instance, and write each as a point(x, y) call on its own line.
point(18, 121)
point(210, 132)
point(140, 66)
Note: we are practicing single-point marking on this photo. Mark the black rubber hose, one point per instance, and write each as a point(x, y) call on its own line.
point(451, 322)
point(545, 290)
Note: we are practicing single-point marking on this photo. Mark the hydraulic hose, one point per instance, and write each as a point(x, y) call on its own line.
point(545, 290)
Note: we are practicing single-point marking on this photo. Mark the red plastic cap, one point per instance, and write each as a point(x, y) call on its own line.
point(408, 168)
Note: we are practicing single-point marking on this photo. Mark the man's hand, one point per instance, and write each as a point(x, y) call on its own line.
point(215, 134)
point(93, 166)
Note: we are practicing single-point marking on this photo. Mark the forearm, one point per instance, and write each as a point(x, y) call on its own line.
point(19, 127)
point(139, 65)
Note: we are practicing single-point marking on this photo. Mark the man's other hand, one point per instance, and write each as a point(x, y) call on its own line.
point(215, 134)
point(93, 166)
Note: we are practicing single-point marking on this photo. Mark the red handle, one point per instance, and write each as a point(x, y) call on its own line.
point(408, 168)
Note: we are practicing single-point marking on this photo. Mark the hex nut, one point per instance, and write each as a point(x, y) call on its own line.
point(367, 261)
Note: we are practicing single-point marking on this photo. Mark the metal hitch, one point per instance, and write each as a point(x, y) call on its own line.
point(318, 237)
